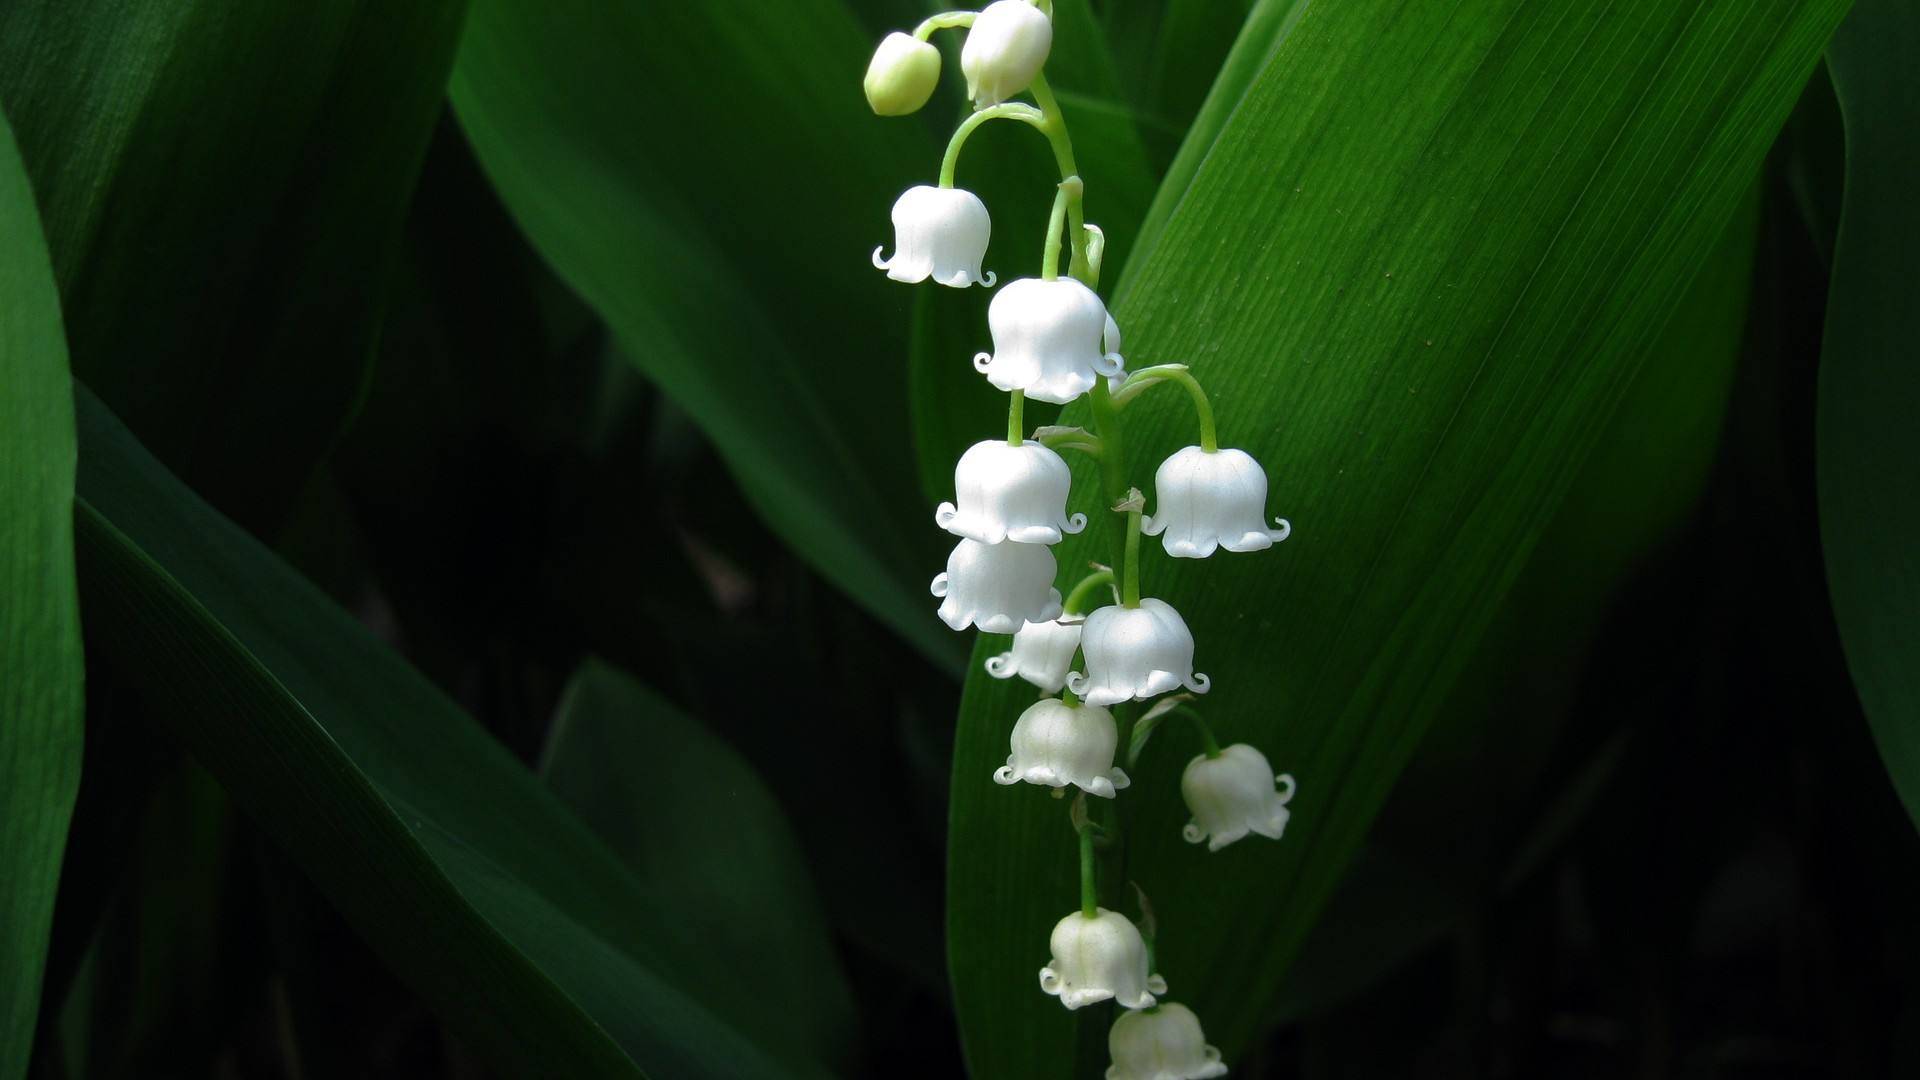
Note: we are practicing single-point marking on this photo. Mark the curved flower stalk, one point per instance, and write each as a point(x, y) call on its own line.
point(1099, 957)
point(1233, 793)
point(1057, 743)
point(1134, 653)
point(939, 233)
point(1207, 500)
point(1055, 341)
point(1042, 654)
point(1007, 492)
point(997, 587)
point(1161, 1043)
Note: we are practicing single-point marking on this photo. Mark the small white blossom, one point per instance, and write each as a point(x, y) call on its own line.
point(1135, 654)
point(902, 75)
point(1042, 653)
point(1056, 744)
point(1161, 1043)
point(1016, 493)
point(1234, 794)
point(1211, 500)
point(1006, 47)
point(939, 233)
point(1048, 338)
point(997, 587)
point(1099, 957)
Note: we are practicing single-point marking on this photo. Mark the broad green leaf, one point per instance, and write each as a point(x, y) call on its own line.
point(222, 182)
point(41, 685)
point(692, 819)
point(1169, 53)
point(689, 170)
point(498, 906)
point(1868, 446)
point(1419, 266)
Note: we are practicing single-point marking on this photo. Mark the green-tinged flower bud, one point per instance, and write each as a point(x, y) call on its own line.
point(902, 75)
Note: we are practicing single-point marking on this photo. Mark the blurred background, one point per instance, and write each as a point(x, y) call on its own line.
point(634, 495)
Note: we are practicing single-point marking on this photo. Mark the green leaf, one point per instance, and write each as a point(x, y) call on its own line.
point(685, 169)
point(1868, 442)
point(693, 820)
point(1418, 268)
point(41, 684)
point(222, 183)
point(493, 902)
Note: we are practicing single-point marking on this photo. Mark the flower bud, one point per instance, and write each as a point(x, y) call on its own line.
point(1055, 744)
point(1234, 794)
point(902, 75)
point(1005, 49)
point(997, 587)
point(1099, 957)
point(1207, 501)
point(938, 233)
point(1161, 1043)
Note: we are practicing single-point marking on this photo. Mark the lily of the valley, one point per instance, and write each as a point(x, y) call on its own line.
point(938, 233)
point(1056, 744)
point(997, 587)
point(1016, 493)
point(1161, 1043)
point(1042, 654)
point(1097, 957)
point(1006, 47)
point(1206, 500)
point(1232, 795)
point(902, 75)
point(1051, 339)
point(1135, 653)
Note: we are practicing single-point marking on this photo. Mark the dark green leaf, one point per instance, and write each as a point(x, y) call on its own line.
point(1869, 438)
point(40, 662)
point(527, 935)
point(1419, 266)
point(222, 183)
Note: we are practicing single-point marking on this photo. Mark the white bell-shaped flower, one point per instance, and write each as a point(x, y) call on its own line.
point(997, 587)
point(1099, 957)
point(1042, 654)
point(1016, 493)
point(902, 75)
point(1056, 744)
point(939, 233)
point(1211, 500)
point(1135, 653)
point(1234, 794)
point(1161, 1043)
point(1048, 338)
point(1006, 47)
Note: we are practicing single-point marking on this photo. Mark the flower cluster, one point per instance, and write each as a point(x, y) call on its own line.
point(1055, 341)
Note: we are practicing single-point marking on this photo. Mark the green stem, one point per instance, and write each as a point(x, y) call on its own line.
point(946, 20)
point(1130, 581)
point(1053, 124)
point(1113, 458)
point(1016, 428)
point(1076, 600)
point(1056, 221)
point(1089, 889)
point(1207, 741)
point(1012, 110)
point(1138, 383)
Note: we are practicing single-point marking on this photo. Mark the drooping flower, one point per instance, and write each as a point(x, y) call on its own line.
point(902, 75)
point(1055, 744)
point(1161, 1043)
point(1042, 653)
point(1016, 493)
point(1212, 500)
point(1135, 653)
point(1098, 957)
point(939, 233)
point(1006, 47)
point(1048, 338)
point(997, 587)
point(1234, 794)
